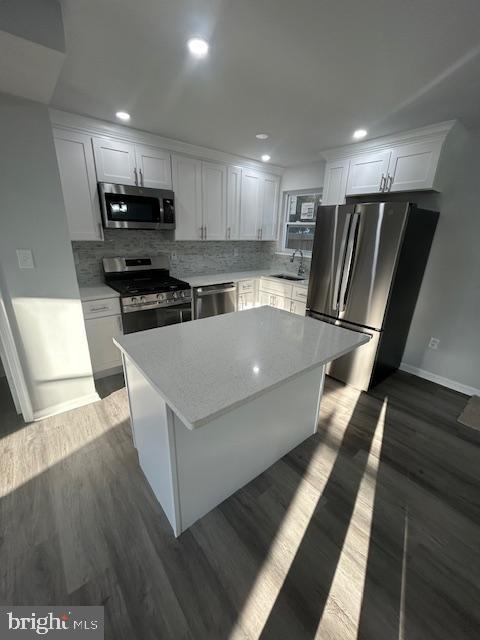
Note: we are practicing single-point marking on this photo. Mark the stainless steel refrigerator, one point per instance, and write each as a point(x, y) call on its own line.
point(368, 262)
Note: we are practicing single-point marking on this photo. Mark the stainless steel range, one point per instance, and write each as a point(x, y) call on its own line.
point(149, 296)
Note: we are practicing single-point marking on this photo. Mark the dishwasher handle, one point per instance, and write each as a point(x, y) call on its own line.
point(209, 291)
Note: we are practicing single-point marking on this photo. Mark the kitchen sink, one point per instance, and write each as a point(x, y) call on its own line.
point(285, 276)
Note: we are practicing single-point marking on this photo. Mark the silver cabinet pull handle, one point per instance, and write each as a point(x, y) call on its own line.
point(261, 233)
point(141, 177)
point(390, 183)
point(382, 182)
point(119, 320)
point(136, 175)
point(205, 232)
point(95, 309)
point(228, 233)
point(201, 233)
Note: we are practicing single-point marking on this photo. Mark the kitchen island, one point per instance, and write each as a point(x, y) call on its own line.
point(215, 402)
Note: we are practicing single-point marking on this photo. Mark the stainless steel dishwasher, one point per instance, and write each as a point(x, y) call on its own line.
point(214, 300)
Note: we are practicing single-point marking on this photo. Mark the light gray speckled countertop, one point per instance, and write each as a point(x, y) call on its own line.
point(208, 367)
point(219, 278)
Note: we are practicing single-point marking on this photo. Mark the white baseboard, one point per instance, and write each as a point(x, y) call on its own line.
point(66, 406)
point(445, 382)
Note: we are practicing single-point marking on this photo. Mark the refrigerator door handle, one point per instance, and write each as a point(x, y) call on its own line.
point(341, 264)
point(349, 258)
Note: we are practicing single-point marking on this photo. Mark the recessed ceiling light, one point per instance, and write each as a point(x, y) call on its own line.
point(123, 115)
point(198, 47)
point(359, 134)
point(262, 136)
point(265, 157)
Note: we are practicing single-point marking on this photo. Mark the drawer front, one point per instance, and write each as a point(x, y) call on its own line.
point(270, 286)
point(300, 293)
point(246, 286)
point(99, 308)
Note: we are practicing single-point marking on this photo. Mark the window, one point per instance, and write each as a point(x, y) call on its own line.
point(299, 221)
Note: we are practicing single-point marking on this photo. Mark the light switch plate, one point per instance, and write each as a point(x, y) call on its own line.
point(25, 259)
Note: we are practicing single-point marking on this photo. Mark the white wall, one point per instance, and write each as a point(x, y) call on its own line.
point(43, 304)
point(307, 176)
point(448, 307)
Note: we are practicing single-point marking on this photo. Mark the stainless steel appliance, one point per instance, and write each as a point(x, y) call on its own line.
point(214, 300)
point(367, 266)
point(149, 296)
point(129, 207)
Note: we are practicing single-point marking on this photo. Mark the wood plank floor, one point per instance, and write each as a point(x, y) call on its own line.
point(370, 529)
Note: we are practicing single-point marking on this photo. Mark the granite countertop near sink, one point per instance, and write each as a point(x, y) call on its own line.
point(219, 278)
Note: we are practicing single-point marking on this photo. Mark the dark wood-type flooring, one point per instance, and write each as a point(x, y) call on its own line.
point(370, 529)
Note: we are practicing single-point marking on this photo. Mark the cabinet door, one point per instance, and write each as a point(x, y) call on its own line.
point(366, 173)
point(154, 167)
point(115, 161)
point(265, 299)
point(413, 166)
point(214, 201)
point(335, 183)
point(245, 301)
point(250, 212)
point(234, 188)
point(297, 307)
point(79, 185)
point(187, 185)
point(269, 194)
point(100, 333)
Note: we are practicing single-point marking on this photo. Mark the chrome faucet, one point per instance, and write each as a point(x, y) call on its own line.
point(301, 266)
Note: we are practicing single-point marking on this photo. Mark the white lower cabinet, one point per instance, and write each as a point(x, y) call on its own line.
point(103, 322)
point(297, 307)
point(283, 296)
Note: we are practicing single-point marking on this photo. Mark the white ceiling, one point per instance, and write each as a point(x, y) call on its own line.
point(308, 72)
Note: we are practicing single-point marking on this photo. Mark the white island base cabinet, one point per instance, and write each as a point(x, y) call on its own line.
point(191, 471)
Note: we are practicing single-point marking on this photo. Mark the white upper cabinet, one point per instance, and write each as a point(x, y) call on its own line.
point(187, 186)
point(335, 184)
point(154, 167)
point(368, 173)
point(123, 162)
point(115, 161)
point(234, 189)
point(214, 201)
point(79, 184)
point(268, 222)
point(413, 166)
point(258, 206)
point(251, 200)
point(403, 162)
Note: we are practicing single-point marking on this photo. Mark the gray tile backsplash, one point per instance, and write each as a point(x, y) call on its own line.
point(186, 258)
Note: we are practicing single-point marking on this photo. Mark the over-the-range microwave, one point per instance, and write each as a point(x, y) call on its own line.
point(128, 207)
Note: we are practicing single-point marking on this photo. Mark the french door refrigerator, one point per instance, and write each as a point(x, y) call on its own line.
point(368, 262)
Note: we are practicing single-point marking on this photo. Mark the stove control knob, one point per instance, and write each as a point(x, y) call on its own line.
point(175, 295)
point(143, 299)
point(160, 296)
point(134, 300)
point(182, 294)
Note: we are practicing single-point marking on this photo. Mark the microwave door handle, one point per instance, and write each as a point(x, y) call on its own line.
point(340, 264)
point(349, 259)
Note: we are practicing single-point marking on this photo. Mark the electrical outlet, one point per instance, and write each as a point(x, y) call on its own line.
point(434, 342)
point(25, 259)
point(173, 258)
point(235, 253)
